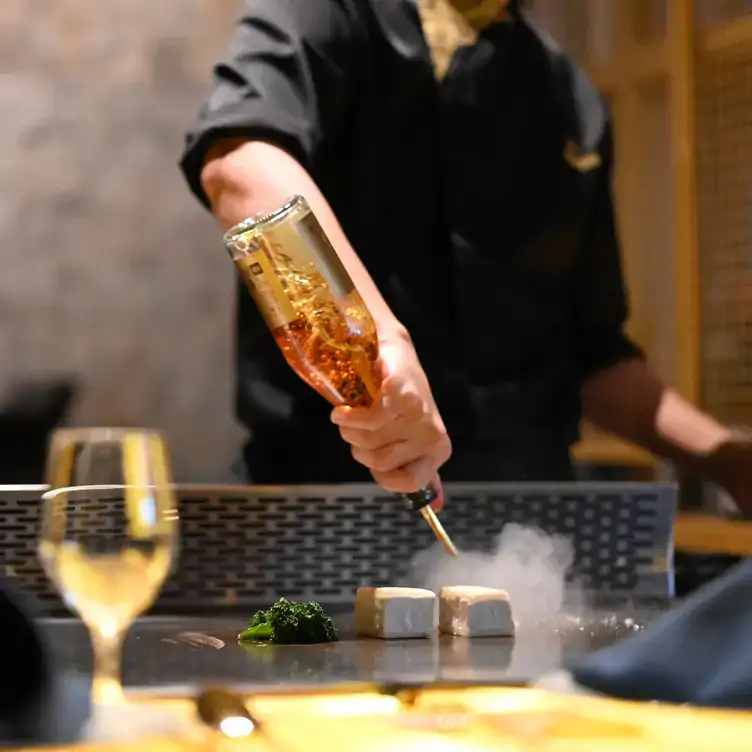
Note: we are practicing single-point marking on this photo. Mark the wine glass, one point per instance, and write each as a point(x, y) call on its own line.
point(109, 534)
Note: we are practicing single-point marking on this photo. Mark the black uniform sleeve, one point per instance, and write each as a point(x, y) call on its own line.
point(286, 80)
point(601, 308)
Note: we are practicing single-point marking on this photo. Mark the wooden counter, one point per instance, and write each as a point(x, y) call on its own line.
point(456, 721)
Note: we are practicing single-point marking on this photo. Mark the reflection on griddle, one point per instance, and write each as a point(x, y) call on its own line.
point(464, 659)
point(154, 656)
point(298, 663)
point(397, 660)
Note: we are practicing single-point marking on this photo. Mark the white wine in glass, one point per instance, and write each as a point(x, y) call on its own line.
point(109, 534)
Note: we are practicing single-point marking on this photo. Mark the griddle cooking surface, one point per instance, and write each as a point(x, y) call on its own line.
point(165, 651)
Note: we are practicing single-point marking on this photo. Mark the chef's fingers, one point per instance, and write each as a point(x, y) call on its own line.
point(363, 418)
point(412, 477)
point(408, 478)
point(407, 427)
point(418, 473)
point(382, 413)
point(390, 458)
point(357, 437)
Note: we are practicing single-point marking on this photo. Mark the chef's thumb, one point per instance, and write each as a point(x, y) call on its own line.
point(391, 364)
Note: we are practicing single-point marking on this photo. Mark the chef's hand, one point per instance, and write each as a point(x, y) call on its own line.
point(401, 438)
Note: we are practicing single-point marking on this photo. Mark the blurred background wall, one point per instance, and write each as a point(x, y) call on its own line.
point(110, 270)
point(112, 273)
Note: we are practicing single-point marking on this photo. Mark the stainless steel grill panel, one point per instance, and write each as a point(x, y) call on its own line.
point(246, 546)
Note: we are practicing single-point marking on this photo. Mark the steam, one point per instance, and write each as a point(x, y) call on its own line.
point(526, 562)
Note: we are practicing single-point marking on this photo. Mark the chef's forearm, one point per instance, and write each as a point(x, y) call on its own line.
point(244, 178)
point(632, 402)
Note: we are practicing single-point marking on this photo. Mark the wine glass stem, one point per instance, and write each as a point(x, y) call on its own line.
point(107, 688)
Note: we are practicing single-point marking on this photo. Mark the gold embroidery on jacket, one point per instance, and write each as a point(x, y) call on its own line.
point(579, 161)
point(450, 24)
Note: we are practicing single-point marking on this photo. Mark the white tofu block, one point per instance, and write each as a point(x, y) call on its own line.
point(394, 613)
point(475, 612)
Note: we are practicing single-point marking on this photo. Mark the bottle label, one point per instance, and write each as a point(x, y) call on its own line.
point(266, 289)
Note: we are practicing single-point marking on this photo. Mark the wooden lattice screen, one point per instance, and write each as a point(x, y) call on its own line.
point(679, 80)
point(724, 156)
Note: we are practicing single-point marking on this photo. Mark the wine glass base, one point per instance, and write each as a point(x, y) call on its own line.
point(106, 692)
point(138, 721)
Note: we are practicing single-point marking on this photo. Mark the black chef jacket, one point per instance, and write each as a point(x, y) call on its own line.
point(480, 204)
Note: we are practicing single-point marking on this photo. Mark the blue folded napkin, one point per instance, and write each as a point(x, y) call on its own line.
point(40, 703)
point(699, 653)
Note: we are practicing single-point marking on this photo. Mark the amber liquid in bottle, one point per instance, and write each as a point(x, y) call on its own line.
point(342, 368)
point(317, 317)
point(313, 310)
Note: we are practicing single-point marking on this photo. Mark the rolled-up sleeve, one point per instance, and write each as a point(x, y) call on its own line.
point(286, 80)
point(601, 305)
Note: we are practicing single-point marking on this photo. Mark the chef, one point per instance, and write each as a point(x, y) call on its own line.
point(461, 163)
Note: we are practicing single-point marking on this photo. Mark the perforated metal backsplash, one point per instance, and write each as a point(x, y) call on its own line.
point(249, 546)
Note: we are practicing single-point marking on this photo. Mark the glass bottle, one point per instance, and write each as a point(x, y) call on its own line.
point(314, 312)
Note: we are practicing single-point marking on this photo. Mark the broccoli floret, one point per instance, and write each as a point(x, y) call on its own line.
point(259, 618)
point(287, 622)
point(259, 632)
point(259, 628)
